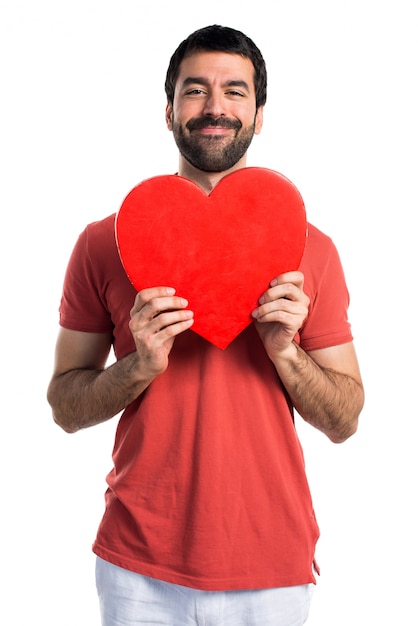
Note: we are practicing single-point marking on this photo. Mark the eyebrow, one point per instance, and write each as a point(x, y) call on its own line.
point(200, 80)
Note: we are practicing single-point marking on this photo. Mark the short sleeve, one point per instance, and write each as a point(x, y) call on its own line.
point(83, 306)
point(327, 322)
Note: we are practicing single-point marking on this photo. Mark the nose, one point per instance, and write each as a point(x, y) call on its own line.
point(214, 106)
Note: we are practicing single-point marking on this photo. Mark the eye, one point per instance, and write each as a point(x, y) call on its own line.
point(194, 92)
point(233, 93)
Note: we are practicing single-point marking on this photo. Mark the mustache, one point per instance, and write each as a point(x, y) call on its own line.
point(197, 123)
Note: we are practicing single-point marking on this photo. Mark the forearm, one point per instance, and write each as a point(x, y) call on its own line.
point(328, 400)
point(81, 397)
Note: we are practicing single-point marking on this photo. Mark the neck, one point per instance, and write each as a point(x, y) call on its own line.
point(206, 180)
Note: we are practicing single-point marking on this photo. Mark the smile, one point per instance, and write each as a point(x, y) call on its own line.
point(214, 130)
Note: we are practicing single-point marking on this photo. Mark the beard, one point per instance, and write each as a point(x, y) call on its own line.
point(214, 153)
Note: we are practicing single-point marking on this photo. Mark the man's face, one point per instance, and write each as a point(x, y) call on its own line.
point(213, 116)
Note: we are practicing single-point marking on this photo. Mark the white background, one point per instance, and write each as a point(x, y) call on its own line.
point(82, 122)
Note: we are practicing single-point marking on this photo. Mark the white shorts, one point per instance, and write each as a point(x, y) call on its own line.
point(128, 599)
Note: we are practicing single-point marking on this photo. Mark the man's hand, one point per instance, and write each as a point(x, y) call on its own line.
point(157, 317)
point(282, 311)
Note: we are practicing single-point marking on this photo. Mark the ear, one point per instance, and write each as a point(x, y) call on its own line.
point(169, 116)
point(258, 120)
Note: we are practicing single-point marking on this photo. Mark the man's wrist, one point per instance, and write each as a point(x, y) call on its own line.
point(290, 361)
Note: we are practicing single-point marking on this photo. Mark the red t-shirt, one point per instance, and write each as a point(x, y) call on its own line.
point(208, 488)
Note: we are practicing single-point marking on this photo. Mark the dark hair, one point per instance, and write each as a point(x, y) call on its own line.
point(222, 39)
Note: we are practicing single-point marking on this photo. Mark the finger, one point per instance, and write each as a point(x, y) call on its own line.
point(285, 291)
point(176, 328)
point(154, 336)
point(280, 310)
point(296, 278)
point(154, 300)
point(156, 331)
point(157, 306)
point(145, 295)
point(166, 319)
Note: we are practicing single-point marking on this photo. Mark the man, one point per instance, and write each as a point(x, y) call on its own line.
point(208, 513)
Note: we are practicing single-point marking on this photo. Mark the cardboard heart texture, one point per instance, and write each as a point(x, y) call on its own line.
point(220, 251)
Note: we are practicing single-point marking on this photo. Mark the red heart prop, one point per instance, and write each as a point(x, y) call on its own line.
point(219, 251)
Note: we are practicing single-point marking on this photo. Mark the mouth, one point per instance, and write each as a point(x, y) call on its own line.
point(213, 127)
point(213, 131)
